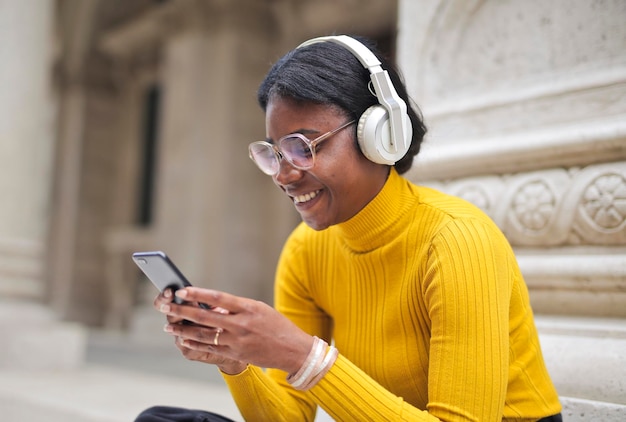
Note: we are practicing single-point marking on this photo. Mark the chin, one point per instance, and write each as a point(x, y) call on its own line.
point(316, 225)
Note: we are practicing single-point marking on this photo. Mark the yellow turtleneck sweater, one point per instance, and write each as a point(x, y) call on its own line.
point(423, 298)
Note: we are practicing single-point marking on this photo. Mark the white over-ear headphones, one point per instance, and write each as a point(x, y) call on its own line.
point(384, 130)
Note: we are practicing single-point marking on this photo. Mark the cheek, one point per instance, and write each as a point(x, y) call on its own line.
point(342, 168)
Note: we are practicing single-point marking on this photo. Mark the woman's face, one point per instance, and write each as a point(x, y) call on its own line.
point(341, 182)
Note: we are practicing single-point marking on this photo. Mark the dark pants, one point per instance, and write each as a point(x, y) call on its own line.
point(555, 418)
point(177, 414)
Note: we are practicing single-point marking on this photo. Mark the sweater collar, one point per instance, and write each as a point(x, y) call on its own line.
point(377, 222)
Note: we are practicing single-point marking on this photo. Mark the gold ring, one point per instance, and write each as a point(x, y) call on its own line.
point(216, 339)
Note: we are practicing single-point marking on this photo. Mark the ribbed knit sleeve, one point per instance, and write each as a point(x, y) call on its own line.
point(467, 289)
point(260, 398)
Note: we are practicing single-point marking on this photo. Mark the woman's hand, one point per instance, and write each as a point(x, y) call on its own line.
point(236, 331)
point(227, 365)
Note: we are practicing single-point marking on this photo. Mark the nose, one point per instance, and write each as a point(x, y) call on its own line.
point(287, 173)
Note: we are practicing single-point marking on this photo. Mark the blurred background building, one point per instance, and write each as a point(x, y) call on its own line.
point(124, 126)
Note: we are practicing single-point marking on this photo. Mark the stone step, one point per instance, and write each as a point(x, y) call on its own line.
point(102, 394)
point(586, 358)
point(581, 410)
point(64, 342)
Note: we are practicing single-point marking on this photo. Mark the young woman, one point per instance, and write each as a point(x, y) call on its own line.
point(392, 301)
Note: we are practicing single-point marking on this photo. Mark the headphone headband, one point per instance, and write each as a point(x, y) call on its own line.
point(361, 52)
point(386, 94)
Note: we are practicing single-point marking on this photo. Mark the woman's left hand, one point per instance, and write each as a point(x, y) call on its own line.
point(239, 329)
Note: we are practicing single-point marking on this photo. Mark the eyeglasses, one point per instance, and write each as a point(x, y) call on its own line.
point(295, 148)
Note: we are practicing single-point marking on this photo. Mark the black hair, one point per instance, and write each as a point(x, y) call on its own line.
point(328, 73)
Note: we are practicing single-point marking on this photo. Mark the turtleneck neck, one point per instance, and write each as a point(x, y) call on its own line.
point(379, 220)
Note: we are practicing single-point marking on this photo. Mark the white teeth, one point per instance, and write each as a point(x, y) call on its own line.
point(304, 198)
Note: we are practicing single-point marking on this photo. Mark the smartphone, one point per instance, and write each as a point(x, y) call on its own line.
point(162, 272)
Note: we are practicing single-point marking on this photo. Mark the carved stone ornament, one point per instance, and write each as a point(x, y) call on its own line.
point(604, 202)
point(534, 205)
point(556, 207)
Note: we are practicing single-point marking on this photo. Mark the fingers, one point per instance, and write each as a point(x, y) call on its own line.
point(211, 336)
point(232, 303)
point(164, 297)
point(192, 314)
point(222, 305)
point(192, 354)
point(200, 351)
point(197, 351)
point(197, 331)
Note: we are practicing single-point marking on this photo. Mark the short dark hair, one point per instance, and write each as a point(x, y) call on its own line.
point(328, 73)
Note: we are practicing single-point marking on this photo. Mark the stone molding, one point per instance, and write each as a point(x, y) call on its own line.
point(578, 282)
point(21, 267)
point(579, 144)
point(552, 208)
point(590, 98)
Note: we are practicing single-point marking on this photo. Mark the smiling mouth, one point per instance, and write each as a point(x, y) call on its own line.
point(300, 199)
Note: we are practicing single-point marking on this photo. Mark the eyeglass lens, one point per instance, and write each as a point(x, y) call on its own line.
point(264, 155)
point(293, 148)
point(297, 152)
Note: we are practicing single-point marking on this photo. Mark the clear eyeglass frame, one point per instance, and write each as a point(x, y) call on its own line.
point(267, 155)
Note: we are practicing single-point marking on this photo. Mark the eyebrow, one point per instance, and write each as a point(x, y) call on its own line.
point(301, 131)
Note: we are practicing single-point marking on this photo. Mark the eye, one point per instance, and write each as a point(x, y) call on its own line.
point(296, 147)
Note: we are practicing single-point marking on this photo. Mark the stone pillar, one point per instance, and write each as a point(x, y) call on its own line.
point(27, 140)
point(526, 106)
point(215, 210)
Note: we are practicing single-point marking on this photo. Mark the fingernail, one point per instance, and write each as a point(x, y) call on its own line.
point(168, 328)
point(181, 293)
point(167, 293)
point(165, 308)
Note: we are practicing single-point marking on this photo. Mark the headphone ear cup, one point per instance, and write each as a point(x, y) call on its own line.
point(374, 136)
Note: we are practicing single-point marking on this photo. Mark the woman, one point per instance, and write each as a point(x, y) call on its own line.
point(393, 301)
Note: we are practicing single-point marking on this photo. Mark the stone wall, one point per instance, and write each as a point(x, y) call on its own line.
point(526, 105)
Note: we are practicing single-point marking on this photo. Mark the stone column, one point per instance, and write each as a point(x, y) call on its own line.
point(26, 139)
point(214, 208)
point(27, 131)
